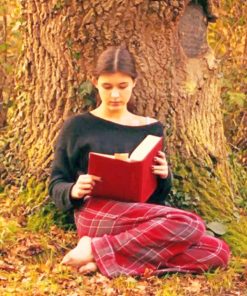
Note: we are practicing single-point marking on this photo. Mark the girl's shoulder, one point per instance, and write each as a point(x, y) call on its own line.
point(76, 120)
point(142, 120)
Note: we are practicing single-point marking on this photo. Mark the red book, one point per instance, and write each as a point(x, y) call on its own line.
point(129, 179)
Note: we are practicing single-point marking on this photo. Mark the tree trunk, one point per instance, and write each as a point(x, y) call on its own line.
point(2, 110)
point(3, 40)
point(63, 41)
point(178, 84)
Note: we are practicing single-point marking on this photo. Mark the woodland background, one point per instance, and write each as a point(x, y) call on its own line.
point(211, 181)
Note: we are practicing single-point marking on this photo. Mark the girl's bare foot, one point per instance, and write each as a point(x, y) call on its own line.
point(88, 268)
point(81, 255)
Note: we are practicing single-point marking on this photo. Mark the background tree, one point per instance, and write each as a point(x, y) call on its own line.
point(178, 84)
point(10, 47)
point(228, 37)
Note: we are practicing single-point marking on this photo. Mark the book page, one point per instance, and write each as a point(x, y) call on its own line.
point(121, 156)
point(144, 148)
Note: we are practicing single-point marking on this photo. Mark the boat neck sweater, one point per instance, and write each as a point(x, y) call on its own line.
point(86, 133)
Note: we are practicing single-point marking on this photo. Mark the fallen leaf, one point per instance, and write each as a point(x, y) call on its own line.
point(7, 267)
point(195, 286)
point(2, 278)
point(217, 227)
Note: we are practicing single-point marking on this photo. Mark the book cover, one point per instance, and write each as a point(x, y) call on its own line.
point(126, 178)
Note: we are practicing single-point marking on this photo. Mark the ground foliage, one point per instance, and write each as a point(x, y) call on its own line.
point(228, 38)
point(30, 265)
point(10, 46)
point(34, 236)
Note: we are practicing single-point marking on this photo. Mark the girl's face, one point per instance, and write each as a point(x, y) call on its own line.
point(115, 90)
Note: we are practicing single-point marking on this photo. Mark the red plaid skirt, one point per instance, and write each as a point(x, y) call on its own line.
point(133, 238)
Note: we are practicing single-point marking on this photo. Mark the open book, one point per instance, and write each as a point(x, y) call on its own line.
point(124, 177)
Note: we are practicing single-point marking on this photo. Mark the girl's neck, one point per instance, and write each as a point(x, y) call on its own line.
point(119, 116)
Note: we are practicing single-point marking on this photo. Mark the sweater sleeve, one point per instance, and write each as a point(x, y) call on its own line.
point(61, 183)
point(62, 176)
point(164, 185)
point(163, 188)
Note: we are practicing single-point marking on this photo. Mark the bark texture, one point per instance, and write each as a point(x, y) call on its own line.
point(2, 111)
point(178, 82)
point(3, 40)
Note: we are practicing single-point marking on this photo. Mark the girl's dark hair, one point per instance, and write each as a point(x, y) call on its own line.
point(116, 59)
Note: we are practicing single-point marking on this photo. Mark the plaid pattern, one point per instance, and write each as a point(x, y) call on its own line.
point(131, 238)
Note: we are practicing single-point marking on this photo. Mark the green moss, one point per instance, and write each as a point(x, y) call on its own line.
point(41, 219)
point(197, 187)
point(33, 194)
point(47, 216)
point(39, 210)
point(203, 189)
point(8, 231)
point(59, 5)
point(236, 236)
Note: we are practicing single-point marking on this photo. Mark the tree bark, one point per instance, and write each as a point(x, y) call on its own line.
point(178, 82)
point(62, 43)
point(3, 40)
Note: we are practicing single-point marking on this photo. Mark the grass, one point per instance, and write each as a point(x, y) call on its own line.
point(30, 265)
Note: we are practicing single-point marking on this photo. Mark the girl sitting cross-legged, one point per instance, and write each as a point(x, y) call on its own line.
point(124, 238)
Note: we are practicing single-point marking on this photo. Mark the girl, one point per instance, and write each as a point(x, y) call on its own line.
point(119, 238)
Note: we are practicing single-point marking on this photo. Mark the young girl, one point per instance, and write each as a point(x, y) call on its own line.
point(119, 238)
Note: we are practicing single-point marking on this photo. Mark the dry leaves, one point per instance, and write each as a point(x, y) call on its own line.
point(30, 265)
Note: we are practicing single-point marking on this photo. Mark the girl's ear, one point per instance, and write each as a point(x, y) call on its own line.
point(94, 82)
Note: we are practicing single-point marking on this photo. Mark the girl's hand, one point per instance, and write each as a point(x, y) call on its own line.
point(84, 186)
point(161, 167)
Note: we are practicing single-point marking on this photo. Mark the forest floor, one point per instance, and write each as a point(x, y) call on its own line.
point(30, 265)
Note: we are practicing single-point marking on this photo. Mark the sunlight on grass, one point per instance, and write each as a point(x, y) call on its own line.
point(30, 265)
point(8, 231)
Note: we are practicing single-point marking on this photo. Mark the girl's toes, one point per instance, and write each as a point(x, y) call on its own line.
point(72, 258)
point(66, 259)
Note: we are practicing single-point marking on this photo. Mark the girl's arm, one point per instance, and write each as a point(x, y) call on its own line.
point(164, 175)
point(62, 182)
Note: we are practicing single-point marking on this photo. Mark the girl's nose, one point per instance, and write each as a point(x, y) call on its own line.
point(115, 93)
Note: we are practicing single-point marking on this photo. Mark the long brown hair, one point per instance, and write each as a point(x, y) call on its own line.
point(116, 59)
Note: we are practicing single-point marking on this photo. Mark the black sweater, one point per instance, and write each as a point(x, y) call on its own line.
point(84, 133)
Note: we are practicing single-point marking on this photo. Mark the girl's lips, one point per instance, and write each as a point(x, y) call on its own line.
point(115, 103)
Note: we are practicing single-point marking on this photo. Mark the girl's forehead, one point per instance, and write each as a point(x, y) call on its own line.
point(114, 77)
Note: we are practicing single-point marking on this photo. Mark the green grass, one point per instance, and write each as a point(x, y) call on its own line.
point(30, 265)
point(30, 259)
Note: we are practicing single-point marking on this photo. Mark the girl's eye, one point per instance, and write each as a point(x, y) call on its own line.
point(122, 86)
point(107, 86)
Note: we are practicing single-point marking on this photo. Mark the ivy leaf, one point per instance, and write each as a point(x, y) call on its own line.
point(210, 233)
point(237, 98)
point(16, 27)
point(217, 227)
point(236, 215)
point(4, 46)
point(85, 88)
point(77, 55)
